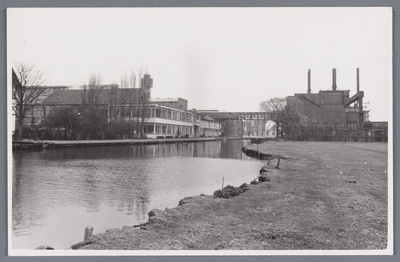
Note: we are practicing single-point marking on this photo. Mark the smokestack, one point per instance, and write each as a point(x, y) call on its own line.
point(309, 81)
point(334, 79)
point(358, 80)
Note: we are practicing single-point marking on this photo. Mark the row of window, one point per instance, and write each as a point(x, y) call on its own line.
point(212, 125)
point(166, 129)
point(154, 112)
point(125, 112)
point(261, 116)
point(159, 112)
point(172, 114)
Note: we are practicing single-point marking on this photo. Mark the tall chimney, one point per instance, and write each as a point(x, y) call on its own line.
point(358, 80)
point(334, 79)
point(309, 81)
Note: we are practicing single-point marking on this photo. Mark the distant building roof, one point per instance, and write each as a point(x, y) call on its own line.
point(64, 97)
point(74, 96)
point(205, 111)
point(57, 87)
point(168, 99)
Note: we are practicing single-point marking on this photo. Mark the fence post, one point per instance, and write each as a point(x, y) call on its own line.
point(88, 232)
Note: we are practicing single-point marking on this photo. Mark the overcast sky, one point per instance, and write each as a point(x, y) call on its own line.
point(217, 58)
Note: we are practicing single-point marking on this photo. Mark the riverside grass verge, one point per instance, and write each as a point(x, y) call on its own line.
point(325, 196)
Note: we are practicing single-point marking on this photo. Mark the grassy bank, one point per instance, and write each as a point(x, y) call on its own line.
point(325, 196)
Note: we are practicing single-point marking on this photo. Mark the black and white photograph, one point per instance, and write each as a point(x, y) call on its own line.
point(200, 131)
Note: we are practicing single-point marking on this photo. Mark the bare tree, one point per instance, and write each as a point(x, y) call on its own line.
point(124, 82)
point(68, 118)
point(131, 102)
point(146, 83)
point(128, 101)
point(113, 102)
point(93, 112)
point(26, 89)
point(122, 105)
point(283, 114)
point(132, 79)
point(92, 90)
point(273, 105)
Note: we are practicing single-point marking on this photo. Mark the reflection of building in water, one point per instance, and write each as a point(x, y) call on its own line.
point(198, 149)
point(207, 149)
point(233, 150)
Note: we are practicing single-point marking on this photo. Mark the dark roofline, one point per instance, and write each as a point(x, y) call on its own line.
point(57, 86)
point(306, 99)
point(333, 91)
point(379, 122)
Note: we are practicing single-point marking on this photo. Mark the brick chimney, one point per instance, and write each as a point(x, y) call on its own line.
point(358, 80)
point(334, 79)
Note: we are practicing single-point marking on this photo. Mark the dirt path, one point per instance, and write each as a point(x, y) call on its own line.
point(328, 196)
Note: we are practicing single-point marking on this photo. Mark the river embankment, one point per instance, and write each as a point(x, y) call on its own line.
point(323, 196)
point(47, 144)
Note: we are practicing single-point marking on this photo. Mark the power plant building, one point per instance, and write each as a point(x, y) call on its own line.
point(329, 108)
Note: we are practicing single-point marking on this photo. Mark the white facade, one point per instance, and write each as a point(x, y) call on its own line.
point(168, 121)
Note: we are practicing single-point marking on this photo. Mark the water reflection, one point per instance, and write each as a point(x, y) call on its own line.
point(60, 192)
point(215, 149)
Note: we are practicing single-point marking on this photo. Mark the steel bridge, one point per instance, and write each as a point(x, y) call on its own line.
point(242, 124)
point(222, 116)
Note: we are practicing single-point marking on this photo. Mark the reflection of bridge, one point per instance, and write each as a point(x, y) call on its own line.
point(242, 124)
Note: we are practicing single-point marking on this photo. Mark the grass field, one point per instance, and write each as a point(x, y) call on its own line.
point(326, 196)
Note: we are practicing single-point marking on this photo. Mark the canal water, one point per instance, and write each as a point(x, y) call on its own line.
point(57, 193)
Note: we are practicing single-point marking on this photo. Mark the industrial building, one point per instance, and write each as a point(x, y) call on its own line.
point(333, 115)
point(330, 108)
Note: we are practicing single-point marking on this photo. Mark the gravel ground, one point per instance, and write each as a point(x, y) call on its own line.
point(326, 196)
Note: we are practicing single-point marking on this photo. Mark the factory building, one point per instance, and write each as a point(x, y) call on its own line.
point(330, 108)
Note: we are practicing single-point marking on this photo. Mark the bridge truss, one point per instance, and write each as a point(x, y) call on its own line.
point(223, 116)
